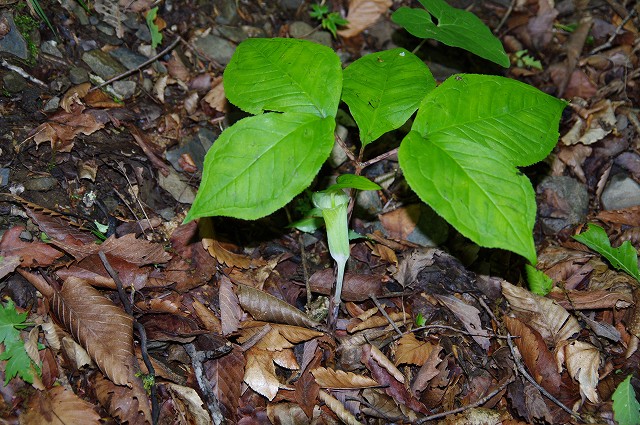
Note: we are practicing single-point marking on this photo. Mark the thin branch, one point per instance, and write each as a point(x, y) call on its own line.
point(345, 148)
point(22, 73)
point(170, 47)
point(378, 158)
point(473, 405)
point(384, 313)
point(505, 17)
point(617, 31)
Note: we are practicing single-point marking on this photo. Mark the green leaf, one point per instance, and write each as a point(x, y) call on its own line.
point(260, 163)
point(18, 361)
point(318, 11)
point(504, 115)
point(474, 188)
point(284, 75)
point(460, 157)
point(156, 36)
point(624, 258)
point(384, 89)
point(539, 283)
point(351, 181)
point(453, 27)
point(626, 409)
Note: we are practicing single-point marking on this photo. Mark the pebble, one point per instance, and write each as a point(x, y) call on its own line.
point(13, 82)
point(40, 184)
point(124, 89)
point(227, 12)
point(562, 202)
point(13, 42)
point(299, 29)
point(128, 58)
point(103, 64)
point(4, 176)
point(621, 192)
point(216, 48)
point(78, 75)
point(196, 147)
point(51, 105)
point(292, 5)
point(50, 47)
point(235, 34)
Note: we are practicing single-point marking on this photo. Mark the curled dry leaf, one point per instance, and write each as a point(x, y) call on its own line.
point(230, 312)
point(8, 264)
point(384, 361)
point(129, 405)
point(225, 375)
point(216, 97)
point(191, 403)
point(260, 373)
point(63, 127)
point(356, 287)
point(59, 406)
point(338, 408)
point(216, 250)
point(412, 351)
point(553, 322)
point(331, 378)
point(470, 318)
point(583, 361)
point(362, 14)
point(266, 307)
point(400, 318)
point(103, 329)
point(73, 96)
point(29, 254)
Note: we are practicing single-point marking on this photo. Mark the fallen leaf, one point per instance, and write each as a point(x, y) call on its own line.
point(412, 351)
point(331, 378)
point(29, 254)
point(265, 307)
point(63, 127)
point(583, 361)
point(129, 405)
point(74, 96)
point(338, 408)
point(260, 373)
point(226, 375)
point(470, 318)
point(230, 311)
point(362, 14)
point(59, 406)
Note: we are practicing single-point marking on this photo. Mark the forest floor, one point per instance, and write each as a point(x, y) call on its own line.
point(138, 318)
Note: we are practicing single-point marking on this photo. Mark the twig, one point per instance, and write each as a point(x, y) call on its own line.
point(213, 405)
point(475, 404)
point(173, 44)
point(155, 407)
point(378, 158)
point(617, 31)
point(345, 148)
point(385, 314)
point(305, 270)
point(505, 17)
point(22, 73)
point(451, 328)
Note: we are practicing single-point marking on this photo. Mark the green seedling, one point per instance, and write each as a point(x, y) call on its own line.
point(523, 59)
point(539, 283)
point(461, 156)
point(15, 354)
point(329, 21)
point(420, 320)
point(156, 35)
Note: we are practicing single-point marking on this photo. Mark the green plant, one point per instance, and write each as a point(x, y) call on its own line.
point(329, 21)
point(156, 35)
point(523, 59)
point(626, 409)
point(18, 361)
point(461, 156)
point(37, 8)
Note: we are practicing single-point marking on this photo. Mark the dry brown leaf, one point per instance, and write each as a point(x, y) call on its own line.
point(59, 406)
point(338, 408)
point(29, 254)
point(63, 127)
point(217, 251)
point(331, 378)
point(296, 334)
point(553, 322)
point(412, 351)
point(266, 307)
point(383, 404)
point(356, 286)
point(111, 14)
point(362, 14)
point(230, 312)
point(292, 413)
point(273, 341)
point(286, 359)
point(103, 329)
point(177, 68)
point(129, 405)
point(260, 373)
point(135, 251)
point(191, 403)
point(207, 317)
point(583, 361)
point(216, 98)
point(428, 371)
point(399, 318)
point(225, 375)
point(74, 96)
point(470, 318)
point(76, 354)
point(99, 99)
point(384, 361)
point(8, 264)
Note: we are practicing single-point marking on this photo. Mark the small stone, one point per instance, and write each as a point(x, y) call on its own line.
point(292, 5)
point(103, 64)
point(621, 192)
point(26, 236)
point(13, 42)
point(216, 48)
point(78, 75)
point(50, 47)
point(4, 176)
point(106, 29)
point(131, 60)
point(562, 202)
point(227, 11)
point(40, 184)
point(124, 89)
point(235, 34)
point(13, 82)
point(52, 104)
point(302, 30)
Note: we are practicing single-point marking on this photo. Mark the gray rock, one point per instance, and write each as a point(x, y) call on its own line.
point(562, 202)
point(299, 29)
point(216, 48)
point(77, 10)
point(50, 47)
point(235, 34)
point(78, 75)
point(196, 147)
point(40, 184)
point(292, 5)
point(52, 104)
point(124, 89)
point(227, 12)
point(621, 192)
point(103, 64)
point(4, 176)
point(106, 29)
point(143, 34)
point(131, 60)
point(13, 82)
point(13, 42)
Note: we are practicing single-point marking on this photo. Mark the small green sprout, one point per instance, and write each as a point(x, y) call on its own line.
point(420, 320)
point(329, 21)
point(523, 59)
